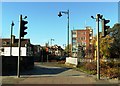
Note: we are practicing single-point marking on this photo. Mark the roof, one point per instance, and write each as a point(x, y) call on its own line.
point(6, 42)
point(86, 28)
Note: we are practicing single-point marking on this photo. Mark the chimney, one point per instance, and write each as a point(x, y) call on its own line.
point(13, 39)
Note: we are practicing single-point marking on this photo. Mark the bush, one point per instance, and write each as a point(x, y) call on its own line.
point(112, 73)
point(109, 69)
point(90, 66)
point(103, 65)
point(103, 71)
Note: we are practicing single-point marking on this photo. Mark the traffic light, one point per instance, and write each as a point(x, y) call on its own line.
point(105, 27)
point(23, 28)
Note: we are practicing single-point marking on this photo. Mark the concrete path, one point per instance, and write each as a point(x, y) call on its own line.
point(50, 74)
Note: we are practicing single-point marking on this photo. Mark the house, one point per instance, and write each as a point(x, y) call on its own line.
point(6, 48)
point(57, 50)
point(37, 50)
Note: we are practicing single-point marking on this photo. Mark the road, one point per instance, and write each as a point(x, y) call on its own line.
point(48, 73)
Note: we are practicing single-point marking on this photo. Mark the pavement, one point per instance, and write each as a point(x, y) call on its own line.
point(44, 74)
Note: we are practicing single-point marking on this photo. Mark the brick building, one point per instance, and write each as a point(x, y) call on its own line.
point(81, 37)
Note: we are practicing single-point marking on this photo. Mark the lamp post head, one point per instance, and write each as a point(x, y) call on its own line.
point(12, 23)
point(59, 14)
point(25, 17)
point(92, 17)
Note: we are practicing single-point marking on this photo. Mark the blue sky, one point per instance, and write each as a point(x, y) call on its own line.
point(44, 24)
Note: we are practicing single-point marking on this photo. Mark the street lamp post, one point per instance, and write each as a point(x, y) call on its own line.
point(51, 41)
point(11, 38)
point(64, 45)
point(60, 14)
point(98, 17)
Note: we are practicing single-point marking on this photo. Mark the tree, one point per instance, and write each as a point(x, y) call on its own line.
point(81, 52)
point(66, 49)
point(105, 45)
point(115, 46)
point(110, 45)
point(93, 47)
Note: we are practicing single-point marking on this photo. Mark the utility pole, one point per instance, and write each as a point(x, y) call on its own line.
point(11, 38)
point(47, 56)
point(68, 34)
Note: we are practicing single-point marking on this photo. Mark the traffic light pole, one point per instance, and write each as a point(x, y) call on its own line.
point(19, 45)
point(98, 47)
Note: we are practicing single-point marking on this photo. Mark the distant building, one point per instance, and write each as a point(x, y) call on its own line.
point(37, 50)
point(81, 37)
point(26, 47)
point(57, 50)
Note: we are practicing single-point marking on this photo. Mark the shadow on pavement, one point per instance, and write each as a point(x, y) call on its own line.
point(47, 71)
point(39, 70)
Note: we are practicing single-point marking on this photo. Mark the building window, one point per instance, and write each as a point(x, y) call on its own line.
point(74, 43)
point(80, 43)
point(78, 33)
point(90, 35)
point(84, 43)
point(2, 49)
point(84, 33)
point(84, 48)
point(83, 38)
point(74, 40)
point(78, 38)
point(74, 32)
point(8, 43)
point(74, 35)
point(4, 43)
point(74, 49)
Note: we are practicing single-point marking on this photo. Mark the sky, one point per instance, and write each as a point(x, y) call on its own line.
point(59, 0)
point(44, 24)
